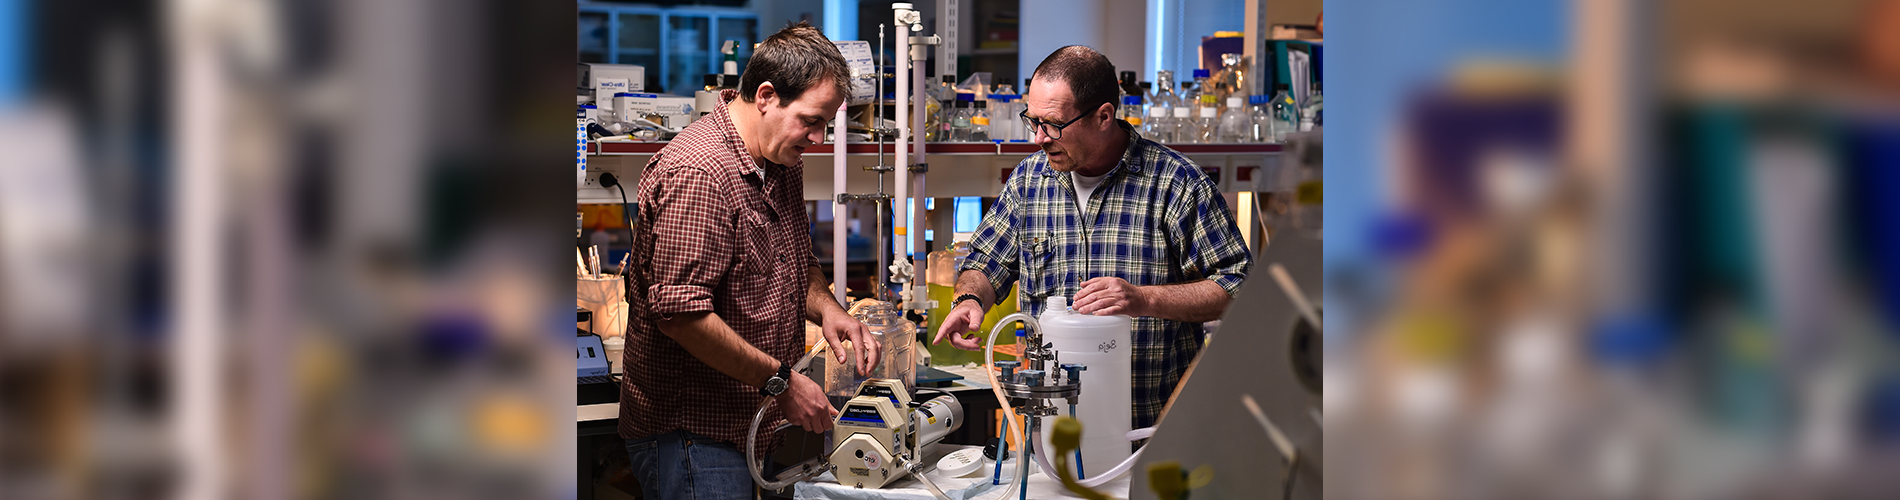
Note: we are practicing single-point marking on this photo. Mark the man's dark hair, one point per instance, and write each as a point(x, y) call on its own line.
point(1088, 74)
point(795, 59)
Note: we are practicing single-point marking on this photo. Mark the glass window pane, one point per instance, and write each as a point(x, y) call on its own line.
point(649, 61)
point(639, 31)
point(690, 54)
point(593, 34)
point(969, 213)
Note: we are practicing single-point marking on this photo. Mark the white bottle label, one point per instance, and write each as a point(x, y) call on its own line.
point(1207, 112)
point(1180, 112)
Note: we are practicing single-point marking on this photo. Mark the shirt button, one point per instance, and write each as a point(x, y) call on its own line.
point(781, 259)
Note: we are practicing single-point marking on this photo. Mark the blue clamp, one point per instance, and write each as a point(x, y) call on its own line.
point(1029, 377)
point(1009, 371)
point(1074, 371)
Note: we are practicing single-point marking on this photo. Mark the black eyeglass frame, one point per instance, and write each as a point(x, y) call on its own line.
point(1035, 125)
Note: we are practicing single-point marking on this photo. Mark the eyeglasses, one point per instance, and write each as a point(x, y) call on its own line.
point(1046, 128)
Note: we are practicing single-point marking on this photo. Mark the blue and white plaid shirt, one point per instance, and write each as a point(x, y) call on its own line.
point(1155, 220)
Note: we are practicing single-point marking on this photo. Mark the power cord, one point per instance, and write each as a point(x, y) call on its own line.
point(607, 180)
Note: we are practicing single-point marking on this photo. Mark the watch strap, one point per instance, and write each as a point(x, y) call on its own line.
point(784, 375)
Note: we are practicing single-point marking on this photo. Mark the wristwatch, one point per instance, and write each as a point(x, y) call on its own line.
point(967, 296)
point(776, 385)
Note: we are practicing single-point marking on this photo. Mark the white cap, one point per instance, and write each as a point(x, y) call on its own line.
point(1059, 304)
point(961, 462)
point(1234, 102)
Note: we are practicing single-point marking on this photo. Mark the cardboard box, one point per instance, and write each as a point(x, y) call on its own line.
point(610, 79)
point(657, 104)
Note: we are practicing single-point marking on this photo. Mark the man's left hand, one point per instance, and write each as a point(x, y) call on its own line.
point(1109, 296)
point(841, 326)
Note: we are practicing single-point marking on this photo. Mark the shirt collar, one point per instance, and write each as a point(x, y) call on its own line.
point(724, 112)
point(1131, 156)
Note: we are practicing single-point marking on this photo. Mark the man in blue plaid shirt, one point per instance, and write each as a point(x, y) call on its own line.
point(1117, 223)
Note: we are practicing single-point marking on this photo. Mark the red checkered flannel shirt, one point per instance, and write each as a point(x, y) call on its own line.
point(718, 232)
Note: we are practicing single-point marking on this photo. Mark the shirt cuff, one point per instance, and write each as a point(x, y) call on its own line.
point(1230, 282)
point(992, 271)
point(669, 300)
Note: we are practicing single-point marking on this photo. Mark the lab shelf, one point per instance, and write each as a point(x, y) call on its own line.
point(955, 169)
point(934, 148)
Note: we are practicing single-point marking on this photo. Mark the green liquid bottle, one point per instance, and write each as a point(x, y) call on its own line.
point(940, 278)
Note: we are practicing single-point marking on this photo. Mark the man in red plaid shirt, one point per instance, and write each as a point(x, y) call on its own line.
point(724, 277)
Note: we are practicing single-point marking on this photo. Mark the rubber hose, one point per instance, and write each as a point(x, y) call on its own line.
point(752, 434)
point(1117, 470)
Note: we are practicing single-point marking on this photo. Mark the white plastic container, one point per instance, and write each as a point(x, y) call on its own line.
point(1102, 343)
point(615, 346)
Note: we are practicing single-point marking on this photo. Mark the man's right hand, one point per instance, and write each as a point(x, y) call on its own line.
point(805, 405)
point(965, 317)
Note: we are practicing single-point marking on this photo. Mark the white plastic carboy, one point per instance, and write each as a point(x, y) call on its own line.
point(1102, 344)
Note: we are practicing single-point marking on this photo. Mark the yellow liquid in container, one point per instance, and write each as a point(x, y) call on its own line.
point(944, 354)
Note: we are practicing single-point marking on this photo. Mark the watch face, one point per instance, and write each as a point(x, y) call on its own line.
point(775, 385)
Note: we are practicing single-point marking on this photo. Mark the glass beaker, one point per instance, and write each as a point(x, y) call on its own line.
point(896, 359)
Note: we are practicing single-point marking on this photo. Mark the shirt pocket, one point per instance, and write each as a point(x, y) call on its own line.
point(1038, 276)
point(756, 242)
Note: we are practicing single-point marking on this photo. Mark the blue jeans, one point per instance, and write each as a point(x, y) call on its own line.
point(688, 466)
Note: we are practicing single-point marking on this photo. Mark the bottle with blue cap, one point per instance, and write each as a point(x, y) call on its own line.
point(1130, 111)
point(1259, 119)
point(1002, 121)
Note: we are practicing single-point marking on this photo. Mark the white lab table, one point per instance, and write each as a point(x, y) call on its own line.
point(909, 488)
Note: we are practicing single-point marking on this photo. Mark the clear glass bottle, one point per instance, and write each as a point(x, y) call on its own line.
point(980, 122)
point(1160, 126)
point(1235, 125)
point(1004, 123)
point(960, 119)
point(1207, 120)
point(1286, 113)
point(933, 113)
point(1183, 127)
point(946, 94)
point(1201, 86)
point(1259, 118)
point(1190, 93)
point(1311, 113)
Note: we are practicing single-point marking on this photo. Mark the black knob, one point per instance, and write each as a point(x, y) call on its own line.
point(989, 452)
